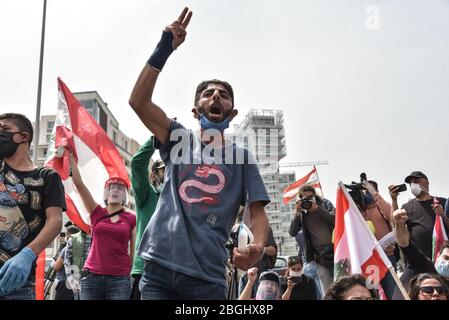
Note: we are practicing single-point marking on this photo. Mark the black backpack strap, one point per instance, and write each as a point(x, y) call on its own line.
point(111, 215)
point(108, 216)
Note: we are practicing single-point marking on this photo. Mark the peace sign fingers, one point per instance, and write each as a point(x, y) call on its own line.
point(185, 17)
point(178, 27)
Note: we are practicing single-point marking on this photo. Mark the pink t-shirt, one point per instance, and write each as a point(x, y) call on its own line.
point(108, 254)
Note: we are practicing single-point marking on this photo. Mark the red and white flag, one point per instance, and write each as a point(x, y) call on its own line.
point(310, 179)
point(356, 248)
point(96, 155)
point(439, 235)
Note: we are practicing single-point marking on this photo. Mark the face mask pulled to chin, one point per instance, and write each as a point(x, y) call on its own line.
point(206, 124)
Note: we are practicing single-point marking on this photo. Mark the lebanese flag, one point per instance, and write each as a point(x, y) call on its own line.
point(356, 248)
point(95, 153)
point(439, 235)
point(311, 179)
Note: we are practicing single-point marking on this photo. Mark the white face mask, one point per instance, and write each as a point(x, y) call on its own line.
point(415, 189)
point(442, 267)
point(296, 273)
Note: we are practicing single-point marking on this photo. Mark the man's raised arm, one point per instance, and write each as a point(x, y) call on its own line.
point(151, 115)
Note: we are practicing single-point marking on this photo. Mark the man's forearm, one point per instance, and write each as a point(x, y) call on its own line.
point(259, 224)
point(394, 207)
point(295, 225)
point(144, 87)
point(141, 158)
point(153, 117)
point(47, 234)
point(270, 251)
point(246, 293)
point(403, 235)
point(287, 294)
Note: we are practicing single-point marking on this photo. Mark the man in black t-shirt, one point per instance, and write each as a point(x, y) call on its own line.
point(421, 211)
point(31, 204)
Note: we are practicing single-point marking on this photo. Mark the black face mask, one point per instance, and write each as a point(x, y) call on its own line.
point(7, 146)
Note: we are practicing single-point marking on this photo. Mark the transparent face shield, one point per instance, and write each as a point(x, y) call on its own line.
point(115, 194)
point(267, 290)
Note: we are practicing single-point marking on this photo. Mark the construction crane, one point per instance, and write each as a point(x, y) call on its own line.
point(303, 164)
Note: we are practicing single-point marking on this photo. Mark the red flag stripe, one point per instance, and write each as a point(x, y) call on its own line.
point(40, 275)
point(374, 266)
point(342, 206)
point(74, 215)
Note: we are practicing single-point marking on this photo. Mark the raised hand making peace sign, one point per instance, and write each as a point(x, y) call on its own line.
point(178, 27)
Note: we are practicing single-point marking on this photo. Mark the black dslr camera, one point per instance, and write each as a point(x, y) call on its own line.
point(356, 191)
point(306, 203)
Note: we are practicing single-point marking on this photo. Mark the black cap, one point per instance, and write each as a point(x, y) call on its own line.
point(157, 165)
point(415, 174)
point(269, 275)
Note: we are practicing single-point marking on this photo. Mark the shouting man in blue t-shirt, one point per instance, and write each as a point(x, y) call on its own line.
point(207, 179)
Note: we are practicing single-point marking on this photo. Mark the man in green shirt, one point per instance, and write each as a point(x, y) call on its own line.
point(146, 194)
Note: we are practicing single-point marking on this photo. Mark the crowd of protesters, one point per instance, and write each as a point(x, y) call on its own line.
point(174, 247)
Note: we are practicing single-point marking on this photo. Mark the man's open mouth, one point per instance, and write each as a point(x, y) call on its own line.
point(216, 110)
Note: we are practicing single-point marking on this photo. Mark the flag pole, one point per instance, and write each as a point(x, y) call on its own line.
point(318, 177)
point(399, 283)
point(39, 88)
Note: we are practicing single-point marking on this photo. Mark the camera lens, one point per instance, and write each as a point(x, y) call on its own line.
point(306, 204)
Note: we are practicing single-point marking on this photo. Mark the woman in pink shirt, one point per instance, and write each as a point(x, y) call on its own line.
point(109, 261)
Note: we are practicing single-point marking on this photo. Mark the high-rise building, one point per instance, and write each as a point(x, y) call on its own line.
point(262, 132)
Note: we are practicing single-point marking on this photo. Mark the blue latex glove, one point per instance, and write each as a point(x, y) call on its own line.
point(15, 272)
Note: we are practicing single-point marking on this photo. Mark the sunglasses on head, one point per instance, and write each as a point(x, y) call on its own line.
point(294, 260)
point(431, 289)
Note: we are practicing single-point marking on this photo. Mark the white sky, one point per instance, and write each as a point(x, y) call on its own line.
point(365, 100)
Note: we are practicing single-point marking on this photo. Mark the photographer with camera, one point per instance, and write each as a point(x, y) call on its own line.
point(422, 211)
point(316, 217)
point(295, 285)
point(375, 209)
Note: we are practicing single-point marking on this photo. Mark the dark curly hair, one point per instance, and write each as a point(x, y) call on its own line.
point(338, 289)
